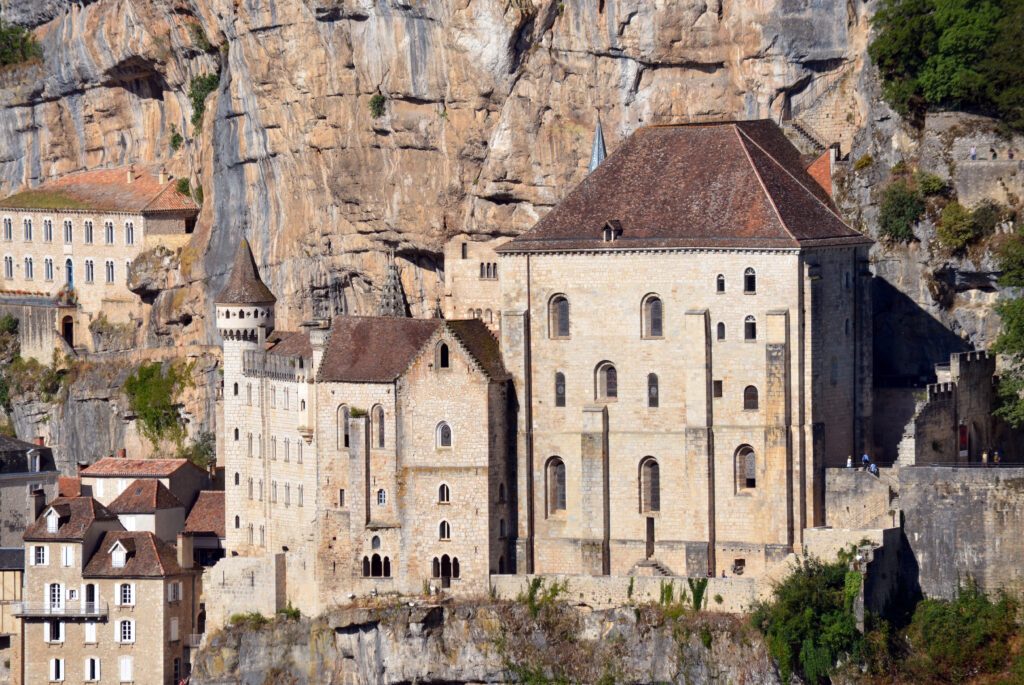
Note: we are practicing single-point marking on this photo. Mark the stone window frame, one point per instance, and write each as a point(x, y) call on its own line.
point(439, 436)
point(559, 315)
point(749, 281)
point(720, 284)
point(442, 356)
point(91, 675)
point(377, 416)
point(88, 230)
point(444, 531)
point(559, 389)
point(751, 398)
point(606, 382)
point(556, 499)
point(720, 331)
point(649, 480)
point(444, 493)
point(653, 391)
point(749, 328)
point(382, 497)
point(648, 317)
point(745, 465)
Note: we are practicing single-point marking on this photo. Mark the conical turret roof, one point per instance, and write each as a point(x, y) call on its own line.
point(598, 152)
point(245, 286)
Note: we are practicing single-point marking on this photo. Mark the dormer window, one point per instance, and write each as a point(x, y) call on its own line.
point(118, 558)
point(52, 521)
point(611, 231)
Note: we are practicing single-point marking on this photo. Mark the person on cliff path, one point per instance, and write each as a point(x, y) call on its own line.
point(974, 153)
point(984, 457)
point(873, 469)
point(864, 461)
point(849, 461)
point(996, 459)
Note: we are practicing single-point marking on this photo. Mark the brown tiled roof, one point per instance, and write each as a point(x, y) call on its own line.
point(68, 486)
point(734, 184)
point(290, 344)
point(481, 344)
point(138, 468)
point(77, 514)
point(148, 557)
point(104, 190)
point(207, 515)
point(364, 349)
point(144, 496)
point(244, 285)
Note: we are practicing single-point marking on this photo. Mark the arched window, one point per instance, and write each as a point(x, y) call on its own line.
point(558, 317)
point(720, 284)
point(387, 567)
point(446, 566)
point(750, 328)
point(750, 397)
point(652, 316)
point(721, 331)
point(237, 478)
point(455, 567)
point(483, 270)
point(238, 522)
point(236, 389)
point(444, 494)
point(650, 485)
point(236, 435)
point(444, 531)
point(749, 281)
point(376, 566)
point(343, 434)
point(378, 420)
point(607, 382)
point(443, 356)
point(382, 497)
point(249, 444)
point(375, 542)
point(652, 390)
point(746, 468)
point(366, 567)
point(444, 435)
point(559, 389)
point(435, 568)
point(556, 484)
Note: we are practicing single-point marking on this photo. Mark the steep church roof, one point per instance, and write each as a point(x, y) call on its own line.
point(245, 286)
point(730, 184)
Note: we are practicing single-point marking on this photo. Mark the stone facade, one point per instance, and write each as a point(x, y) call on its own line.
point(471, 283)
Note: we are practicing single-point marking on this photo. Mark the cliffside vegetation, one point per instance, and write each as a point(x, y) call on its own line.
point(1011, 337)
point(153, 395)
point(17, 45)
point(952, 54)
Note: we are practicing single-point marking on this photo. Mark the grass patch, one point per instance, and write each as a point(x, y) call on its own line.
point(43, 199)
point(199, 39)
point(252, 620)
point(183, 187)
point(377, 105)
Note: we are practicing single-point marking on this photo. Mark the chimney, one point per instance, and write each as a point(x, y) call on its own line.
point(131, 173)
point(163, 176)
point(184, 550)
point(40, 440)
point(37, 502)
point(122, 453)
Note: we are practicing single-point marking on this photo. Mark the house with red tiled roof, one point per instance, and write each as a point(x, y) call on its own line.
point(206, 526)
point(68, 244)
point(147, 505)
point(108, 478)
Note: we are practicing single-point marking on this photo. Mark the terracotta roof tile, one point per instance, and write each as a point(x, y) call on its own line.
point(148, 557)
point(77, 515)
point(207, 515)
point(364, 349)
point(104, 190)
point(144, 496)
point(68, 486)
point(138, 468)
point(244, 285)
point(733, 184)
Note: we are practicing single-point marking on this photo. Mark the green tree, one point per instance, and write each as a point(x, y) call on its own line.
point(902, 205)
point(956, 229)
point(17, 44)
point(152, 394)
point(1010, 341)
point(1003, 67)
point(905, 37)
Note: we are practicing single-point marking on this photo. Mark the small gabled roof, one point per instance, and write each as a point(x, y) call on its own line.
point(244, 285)
point(290, 344)
point(364, 349)
point(77, 514)
point(145, 496)
point(716, 185)
point(136, 468)
point(105, 190)
point(148, 557)
point(207, 515)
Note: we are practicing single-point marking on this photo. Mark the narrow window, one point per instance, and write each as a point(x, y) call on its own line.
point(108, 232)
point(382, 497)
point(483, 273)
point(88, 232)
point(341, 497)
point(444, 435)
point(444, 531)
point(465, 251)
point(558, 314)
point(444, 494)
point(749, 281)
point(236, 435)
point(67, 232)
point(29, 271)
point(650, 485)
point(8, 229)
point(48, 269)
point(652, 390)
point(607, 382)
point(652, 317)
point(378, 418)
point(750, 397)
point(443, 360)
point(720, 284)
point(559, 389)
point(343, 434)
point(750, 328)
point(238, 522)
point(556, 485)
point(237, 478)
point(28, 230)
point(375, 542)
point(746, 468)
point(236, 390)
point(716, 388)
point(721, 331)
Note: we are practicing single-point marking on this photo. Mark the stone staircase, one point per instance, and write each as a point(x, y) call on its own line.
point(805, 139)
point(651, 567)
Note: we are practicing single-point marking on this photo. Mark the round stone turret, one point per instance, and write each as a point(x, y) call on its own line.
point(245, 307)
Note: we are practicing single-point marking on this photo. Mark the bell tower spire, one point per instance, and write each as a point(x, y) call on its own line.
point(597, 152)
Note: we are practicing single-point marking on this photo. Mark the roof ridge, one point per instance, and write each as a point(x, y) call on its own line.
point(455, 333)
point(796, 180)
point(426, 343)
point(764, 188)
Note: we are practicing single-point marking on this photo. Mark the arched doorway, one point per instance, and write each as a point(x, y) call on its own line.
point(67, 330)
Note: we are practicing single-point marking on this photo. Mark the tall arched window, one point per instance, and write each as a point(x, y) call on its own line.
point(443, 354)
point(721, 331)
point(650, 485)
point(750, 328)
point(343, 434)
point(444, 531)
point(444, 494)
point(237, 479)
point(238, 522)
point(558, 317)
point(444, 435)
point(652, 390)
point(607, 382)
point(559, 389)
point(749, 281)
point(720, 284)
point(746, 468)
point(556, 485)
point(378, 420)
point(750, 397)
point(652, 316)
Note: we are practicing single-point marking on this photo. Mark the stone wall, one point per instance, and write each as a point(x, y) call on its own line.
point(242, 584)
point(857, 499)
point(964, 522)
point(37, 328)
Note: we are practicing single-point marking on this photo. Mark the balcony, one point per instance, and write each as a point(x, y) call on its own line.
point(66, 610)
point(193, 640)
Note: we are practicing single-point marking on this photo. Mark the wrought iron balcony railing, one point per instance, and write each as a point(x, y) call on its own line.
point(67, 609)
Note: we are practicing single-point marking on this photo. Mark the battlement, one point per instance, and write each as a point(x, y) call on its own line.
point(941, 391)
point(978, 362)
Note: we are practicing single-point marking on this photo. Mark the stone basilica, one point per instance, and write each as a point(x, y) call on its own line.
point(655, 375)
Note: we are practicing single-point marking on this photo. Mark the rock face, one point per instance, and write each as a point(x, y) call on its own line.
point(486, 108)
point(485, 644)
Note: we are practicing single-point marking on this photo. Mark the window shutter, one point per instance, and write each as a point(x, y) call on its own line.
point(170, 592)
point(174, 629)
point(126, 668)
point(90, 632)
point(131, 594)
point(60, 630)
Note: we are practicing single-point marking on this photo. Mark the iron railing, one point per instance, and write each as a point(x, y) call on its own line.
point(69, 609)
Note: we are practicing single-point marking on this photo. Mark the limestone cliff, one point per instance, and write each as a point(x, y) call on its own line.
point(488, 643)
point(486, 109)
